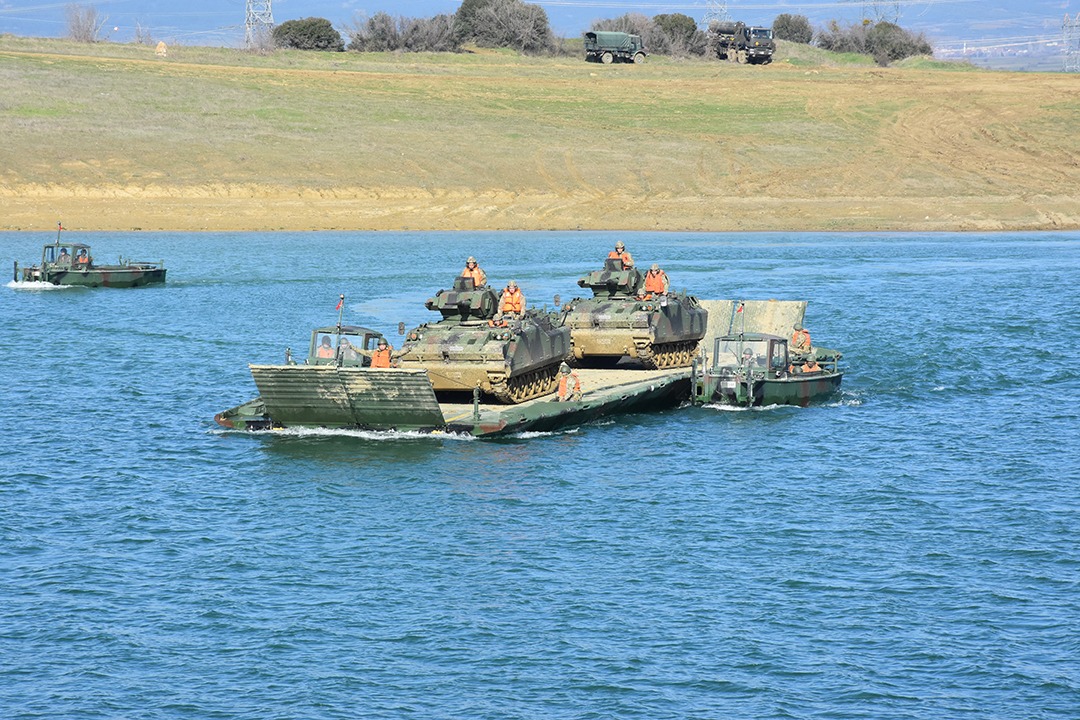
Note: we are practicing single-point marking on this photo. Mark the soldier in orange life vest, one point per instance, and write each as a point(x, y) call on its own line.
point(569, 384)
point(512, 301)
point(326, 350)
point(811, 365)
point(498, 321)
point(619, 253)
point(800, 340)
point(656, 281)
point(472, 270)
point(82, 258)
point(381, 355)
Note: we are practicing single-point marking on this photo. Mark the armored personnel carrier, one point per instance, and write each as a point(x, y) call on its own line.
point(620, 320)
point(463, 350)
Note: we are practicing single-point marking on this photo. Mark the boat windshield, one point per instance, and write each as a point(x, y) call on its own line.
point(325, 348)
point(60, 254)
point(733, 351)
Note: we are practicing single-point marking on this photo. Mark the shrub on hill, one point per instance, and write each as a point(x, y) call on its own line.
point(884, 41)
point(382, 33)
point(795, 28)
point(504, 24)
point(661, 35)
point(308, 34)
point(682, 34)
point(83, 23)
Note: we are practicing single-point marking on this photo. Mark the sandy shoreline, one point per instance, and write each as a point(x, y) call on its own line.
point(258, 208)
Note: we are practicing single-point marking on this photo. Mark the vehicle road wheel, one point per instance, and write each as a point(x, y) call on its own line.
point(639, 58)
point(607, 58)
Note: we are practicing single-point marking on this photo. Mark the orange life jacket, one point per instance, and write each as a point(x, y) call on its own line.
point(512, 301)
point(627, 261)
point(800, 340)
point(655, 281)
point(501, 323)
point(325, 351)
point(811, 366)
point(564, 383)
point(381, 358)
point(477, 275)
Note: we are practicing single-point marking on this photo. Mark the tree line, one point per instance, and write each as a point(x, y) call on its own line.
point(524, 27)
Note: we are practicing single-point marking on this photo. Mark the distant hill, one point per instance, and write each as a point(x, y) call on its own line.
point(112, 136)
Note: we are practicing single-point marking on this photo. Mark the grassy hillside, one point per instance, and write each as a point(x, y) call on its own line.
point(110, 136)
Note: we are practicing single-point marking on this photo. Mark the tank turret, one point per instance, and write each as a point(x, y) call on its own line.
point(622, 320)
point(513, 359)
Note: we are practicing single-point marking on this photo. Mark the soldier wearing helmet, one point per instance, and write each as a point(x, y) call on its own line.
point(382, 355)
point(472, 270)
point(569, 384)
point(811, 365)
point(656, 281)
point(325, 349)
point(800, 339)
point(619, 253)
point(498, 321)
point(512, 301)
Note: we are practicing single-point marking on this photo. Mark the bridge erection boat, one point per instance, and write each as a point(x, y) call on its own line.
point(68, 263)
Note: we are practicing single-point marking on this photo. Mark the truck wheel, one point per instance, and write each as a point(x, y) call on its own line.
point(639, 58)
point(607, 58)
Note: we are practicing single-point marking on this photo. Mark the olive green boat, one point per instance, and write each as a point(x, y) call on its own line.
point(64, 263)
point(749, 368)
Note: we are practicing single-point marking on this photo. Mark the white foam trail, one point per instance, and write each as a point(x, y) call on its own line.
point(396, 435)
point(35, 285)
point(743, 408)
point(528, 434)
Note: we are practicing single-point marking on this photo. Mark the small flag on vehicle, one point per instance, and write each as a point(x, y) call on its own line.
point(340, 302)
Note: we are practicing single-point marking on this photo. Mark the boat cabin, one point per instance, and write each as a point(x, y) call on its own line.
point(753, 351)
point(65, 255)
point(334, 345)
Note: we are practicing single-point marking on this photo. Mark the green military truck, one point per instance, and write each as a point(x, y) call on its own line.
point(741, 43)
point(608, 47)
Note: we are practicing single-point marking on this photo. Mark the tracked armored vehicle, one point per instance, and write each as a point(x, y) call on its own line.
point(463, 350)
point(620, 320)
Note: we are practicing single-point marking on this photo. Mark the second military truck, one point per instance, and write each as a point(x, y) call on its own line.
point(608, 47)
point(742, 43)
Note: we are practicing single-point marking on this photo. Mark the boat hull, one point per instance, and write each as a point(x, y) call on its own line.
point(799, 390)
point(403, 400)
point(105, 276)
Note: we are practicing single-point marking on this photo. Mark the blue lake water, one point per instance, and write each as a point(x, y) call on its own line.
point(907, 550)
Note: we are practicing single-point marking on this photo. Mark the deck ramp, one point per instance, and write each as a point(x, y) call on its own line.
point(325, 395)
point(775, 317)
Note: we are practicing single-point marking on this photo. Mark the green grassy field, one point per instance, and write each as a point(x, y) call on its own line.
point(489, 140)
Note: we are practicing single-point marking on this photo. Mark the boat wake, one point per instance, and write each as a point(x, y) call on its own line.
point(743, 408)
point(379, 435)
point(35, 285)
point(529, 434)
